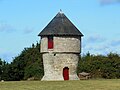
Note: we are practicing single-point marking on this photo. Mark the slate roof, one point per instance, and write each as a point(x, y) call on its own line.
point(60, 25)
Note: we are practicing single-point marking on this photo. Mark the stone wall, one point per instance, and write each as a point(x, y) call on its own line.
point(62, 44)
point(65, 53)
point(54, 64)
point(44, 44)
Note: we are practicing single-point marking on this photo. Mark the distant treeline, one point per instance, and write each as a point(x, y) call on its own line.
point(26, 65)
point(100, 66)
point(29, 64)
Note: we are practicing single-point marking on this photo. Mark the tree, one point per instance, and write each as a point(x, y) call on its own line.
point(100, 66)
point(0, 68)
point(27, 64)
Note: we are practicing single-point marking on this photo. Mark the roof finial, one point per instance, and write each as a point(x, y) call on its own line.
point(61, 11)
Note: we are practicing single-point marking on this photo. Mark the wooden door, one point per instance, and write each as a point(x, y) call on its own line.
point(66, 73)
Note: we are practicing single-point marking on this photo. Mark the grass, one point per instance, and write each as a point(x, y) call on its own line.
point(112, 84)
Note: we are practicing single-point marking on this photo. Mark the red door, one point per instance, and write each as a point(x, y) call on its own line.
point(66, 73)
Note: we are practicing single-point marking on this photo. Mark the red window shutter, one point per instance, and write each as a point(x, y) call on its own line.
point(50, 42)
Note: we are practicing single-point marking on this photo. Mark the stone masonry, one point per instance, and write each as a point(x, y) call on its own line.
point(64, 54)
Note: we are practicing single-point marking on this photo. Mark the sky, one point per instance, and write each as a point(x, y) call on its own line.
point(22, 20)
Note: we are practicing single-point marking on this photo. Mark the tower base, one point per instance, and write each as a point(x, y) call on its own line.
point(58, 78)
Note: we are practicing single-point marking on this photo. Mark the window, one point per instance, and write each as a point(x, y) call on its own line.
point(50, 42)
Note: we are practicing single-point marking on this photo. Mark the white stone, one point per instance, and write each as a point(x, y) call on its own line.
point(64, 54)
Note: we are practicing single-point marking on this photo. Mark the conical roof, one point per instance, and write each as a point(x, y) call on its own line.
point(60, 25)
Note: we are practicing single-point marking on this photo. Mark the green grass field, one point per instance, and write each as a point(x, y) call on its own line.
point(112, 84)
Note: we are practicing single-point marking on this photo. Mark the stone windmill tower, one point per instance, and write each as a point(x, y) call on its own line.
point(60, 48)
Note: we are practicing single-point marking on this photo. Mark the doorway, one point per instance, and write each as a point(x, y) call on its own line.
point(66, 73)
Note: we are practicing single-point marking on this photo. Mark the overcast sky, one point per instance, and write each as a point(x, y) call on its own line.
point(22, 20)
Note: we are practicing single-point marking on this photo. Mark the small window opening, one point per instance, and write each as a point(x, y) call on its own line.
point(50, 42)
point(55, 54)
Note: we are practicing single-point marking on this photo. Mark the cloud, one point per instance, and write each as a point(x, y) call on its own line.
point(115, 43)
point(28, 30)
point(99, 45)
point(7, 56)
point(94, 44)
point(4, 27)
point(94, 49)
point(95, 39)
